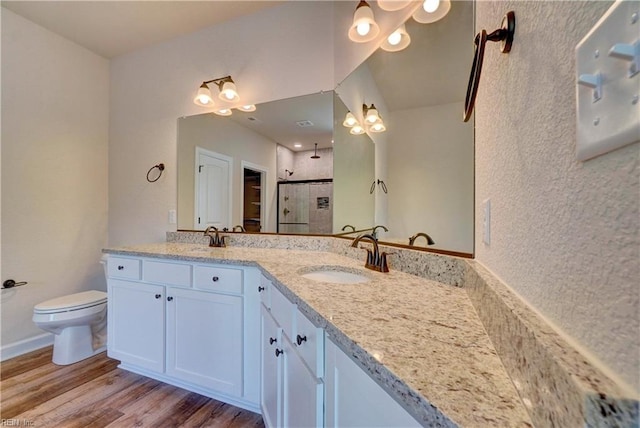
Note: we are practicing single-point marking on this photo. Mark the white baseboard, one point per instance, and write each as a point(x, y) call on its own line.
point(27, 345)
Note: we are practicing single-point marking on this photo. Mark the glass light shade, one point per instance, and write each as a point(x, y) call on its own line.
point(378, 127)
point(424, 17)
point(228, 92)
point(223, 112)
point(372, 116)
point(247, 108)
point(397, 41)
point(357, 130)
point(203, 97)
point(393, 5)
point(430, 6)
point(350, 120)
point(364, 27)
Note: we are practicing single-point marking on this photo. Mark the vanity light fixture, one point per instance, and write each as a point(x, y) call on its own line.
point(350, 120)
point(432, 11)
point(393, 5)
point(378, 127)
point(370, 114)
point(397, 40)
point(226, 86)
point(357, 130)
point(223, 112)
point(364, 27)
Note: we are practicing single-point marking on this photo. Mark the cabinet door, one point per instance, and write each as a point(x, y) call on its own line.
point(204, 339)
point(271, 384)
point(136, 324)
point(303, 392)
point(353, 399)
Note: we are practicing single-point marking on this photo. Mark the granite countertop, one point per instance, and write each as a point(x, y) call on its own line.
point(420, 339)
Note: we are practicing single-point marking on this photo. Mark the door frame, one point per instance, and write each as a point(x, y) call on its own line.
point(202, 151)
point(264, 183)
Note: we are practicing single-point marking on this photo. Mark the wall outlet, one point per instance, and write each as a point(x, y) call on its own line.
point(172, 217)
point(486, 222)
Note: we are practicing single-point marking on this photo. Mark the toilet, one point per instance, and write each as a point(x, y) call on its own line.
point(79, 323)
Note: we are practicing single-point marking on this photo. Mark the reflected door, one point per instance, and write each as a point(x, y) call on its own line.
point(213, 191)
point(293, 203)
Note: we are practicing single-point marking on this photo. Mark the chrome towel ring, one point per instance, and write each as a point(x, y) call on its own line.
point(504, 34)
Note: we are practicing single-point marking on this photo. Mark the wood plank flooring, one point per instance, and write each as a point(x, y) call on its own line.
point(95, 393)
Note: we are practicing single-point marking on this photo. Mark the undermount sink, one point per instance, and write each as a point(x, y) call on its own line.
point(334, 275)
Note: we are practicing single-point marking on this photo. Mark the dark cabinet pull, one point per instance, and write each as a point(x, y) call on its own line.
point(215, 279)
point(169, 299)
point(278, 352)
point(301, 339)
point(158, 296)
point(120, 267)
point(260, 288)
point(272, 340)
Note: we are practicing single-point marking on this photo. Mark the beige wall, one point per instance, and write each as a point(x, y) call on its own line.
point(55, 112)
point(564, 233)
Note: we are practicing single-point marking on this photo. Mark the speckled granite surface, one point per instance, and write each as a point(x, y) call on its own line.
point(560, 387)
point(420, 339)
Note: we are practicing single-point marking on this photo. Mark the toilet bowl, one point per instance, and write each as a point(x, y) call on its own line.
point(79, 323)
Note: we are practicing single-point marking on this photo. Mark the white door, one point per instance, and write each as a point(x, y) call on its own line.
point(136, 324)
point(213, 189)
point(204, 339)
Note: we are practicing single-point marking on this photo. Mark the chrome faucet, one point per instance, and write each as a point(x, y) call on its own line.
point(417, 235)
point(239, 227)
point(374, 233)
point(375, 259)
point(215, 240)
point(353, 229)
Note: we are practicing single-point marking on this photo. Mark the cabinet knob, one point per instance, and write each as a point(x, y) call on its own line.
point(158, 296)
point(278, 352)
point(301, 339)
point(169, 299)
point(215, 279)
point(272, 340)
point(120, 267)
point(260, 288)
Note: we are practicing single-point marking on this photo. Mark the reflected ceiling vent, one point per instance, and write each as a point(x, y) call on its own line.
point(304, 123)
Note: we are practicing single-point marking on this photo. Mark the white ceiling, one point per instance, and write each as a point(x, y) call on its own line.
point(112, 28)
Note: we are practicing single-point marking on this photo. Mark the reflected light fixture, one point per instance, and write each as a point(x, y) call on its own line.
point(393, 5)
point(397, 40)
point(357, 130)
point(378, 127)
point(432, 11)
point(350, 120)
point(223, 112)
point(226, 86)
point(371, 115)
point(364, 27)
point(247, 108)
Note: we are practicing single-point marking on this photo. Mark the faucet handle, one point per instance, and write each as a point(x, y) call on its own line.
point(384, 266)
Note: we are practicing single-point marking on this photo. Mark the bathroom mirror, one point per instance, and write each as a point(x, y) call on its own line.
point(424, 159)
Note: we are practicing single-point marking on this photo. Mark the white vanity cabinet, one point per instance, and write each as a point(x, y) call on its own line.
point(292, 388)
point(189, 324)
point(353, 399)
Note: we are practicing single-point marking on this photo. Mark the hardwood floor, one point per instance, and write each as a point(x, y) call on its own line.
point(95, 393)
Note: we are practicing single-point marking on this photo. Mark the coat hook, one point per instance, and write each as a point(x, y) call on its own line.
point(160, 168)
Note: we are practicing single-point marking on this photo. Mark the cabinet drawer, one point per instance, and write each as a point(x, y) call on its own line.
point(283, 311)
point(167, 273)
point(213, 278)
point(309, 342)
point(265, 292)
point(120, 267)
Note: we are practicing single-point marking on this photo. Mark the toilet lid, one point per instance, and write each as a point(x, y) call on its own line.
point(72, 302)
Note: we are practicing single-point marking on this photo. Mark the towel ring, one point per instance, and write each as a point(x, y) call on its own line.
point(160, 167)
point(504, 34)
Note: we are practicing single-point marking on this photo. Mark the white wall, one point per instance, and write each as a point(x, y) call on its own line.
point(564, 233)
point(431, 155)
point(221, 135)
point(55, 112)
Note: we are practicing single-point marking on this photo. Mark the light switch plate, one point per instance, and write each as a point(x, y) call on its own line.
point(607, 89)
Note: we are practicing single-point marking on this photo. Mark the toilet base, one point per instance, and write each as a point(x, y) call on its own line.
point(74, 344)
